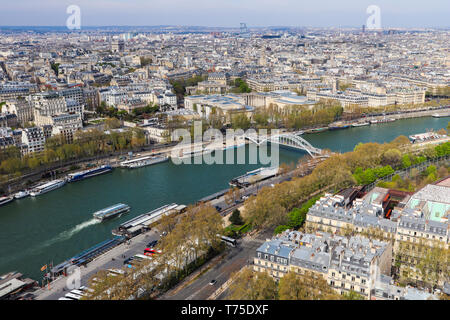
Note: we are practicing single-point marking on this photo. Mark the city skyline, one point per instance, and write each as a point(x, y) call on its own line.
point(288, 13)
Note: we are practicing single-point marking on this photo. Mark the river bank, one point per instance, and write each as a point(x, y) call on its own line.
point(58, 225)
point(59, 170)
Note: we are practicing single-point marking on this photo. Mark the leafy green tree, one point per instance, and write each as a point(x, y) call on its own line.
point(280, 229)
point(236, 218)
point(406, 161)
point(431, 170)
point(296, 218)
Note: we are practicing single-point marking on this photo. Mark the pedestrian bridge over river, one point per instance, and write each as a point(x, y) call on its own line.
point(288, 139)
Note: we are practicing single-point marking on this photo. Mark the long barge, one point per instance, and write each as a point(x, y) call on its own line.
point(47, 187)
point(254, 176)
point(144, 221)
point(111, 212)
point(5, 200)
point(81, 175)
point(143, 162)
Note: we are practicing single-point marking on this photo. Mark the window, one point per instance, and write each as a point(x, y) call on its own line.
point(362, 290)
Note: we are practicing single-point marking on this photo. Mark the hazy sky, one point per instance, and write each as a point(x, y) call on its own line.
point(228, 13)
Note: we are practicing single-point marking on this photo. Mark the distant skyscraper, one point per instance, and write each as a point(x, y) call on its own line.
point(364, 28)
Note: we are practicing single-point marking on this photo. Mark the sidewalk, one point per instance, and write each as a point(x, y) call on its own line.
point(111, 259)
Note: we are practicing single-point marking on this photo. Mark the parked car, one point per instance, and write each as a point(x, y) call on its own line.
point(153, 243)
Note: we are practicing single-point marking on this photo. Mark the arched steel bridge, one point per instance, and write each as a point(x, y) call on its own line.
point(289, 139)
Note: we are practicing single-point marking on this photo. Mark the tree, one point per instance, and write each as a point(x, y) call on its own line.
point(112, 123)
point(352, 295)
point(406, 161)
point(248, 285)
point(296, 218)
point(307, 286)
point(280, 229)
point(167, 223)
point(391, 157)
point(265, 210)
point(240, 121)
point(236, 218)
point(55, 68)
point(434, 264)
point(290, 287)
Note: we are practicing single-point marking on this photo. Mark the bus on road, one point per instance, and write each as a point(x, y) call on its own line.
point(230, 241)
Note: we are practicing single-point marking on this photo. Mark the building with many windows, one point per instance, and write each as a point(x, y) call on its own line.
point(347, 264)
point(33, 140)
point(21, 108)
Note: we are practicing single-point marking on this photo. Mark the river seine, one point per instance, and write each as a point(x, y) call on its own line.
point(58, 225)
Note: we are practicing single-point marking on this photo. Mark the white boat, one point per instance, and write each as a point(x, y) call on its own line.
point(386, 120)
point(144, 161)
point(5, 200)
point(360, 124)
point(111, 212)
point(22, 194)
point(437, 115)
point(373, 121)
point(46, 187)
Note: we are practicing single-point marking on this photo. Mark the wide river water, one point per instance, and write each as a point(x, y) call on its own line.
point(58, 225)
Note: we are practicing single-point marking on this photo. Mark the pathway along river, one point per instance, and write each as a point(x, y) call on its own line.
point(56, 226)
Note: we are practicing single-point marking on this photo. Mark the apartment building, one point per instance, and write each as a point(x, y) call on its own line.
point(14, 90)
point(33, 140)
point(422, 222)
point(8, 120)
point(21, 108)
point(356, 265)
point(45, 105)
point(347, 264)
point(273, 257)
point(66, 124)
point(75, 93)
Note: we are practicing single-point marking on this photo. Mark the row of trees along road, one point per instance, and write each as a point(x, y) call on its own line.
point(270, 207)
point(85, 144)
point(249, 285)
point(191, 238)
